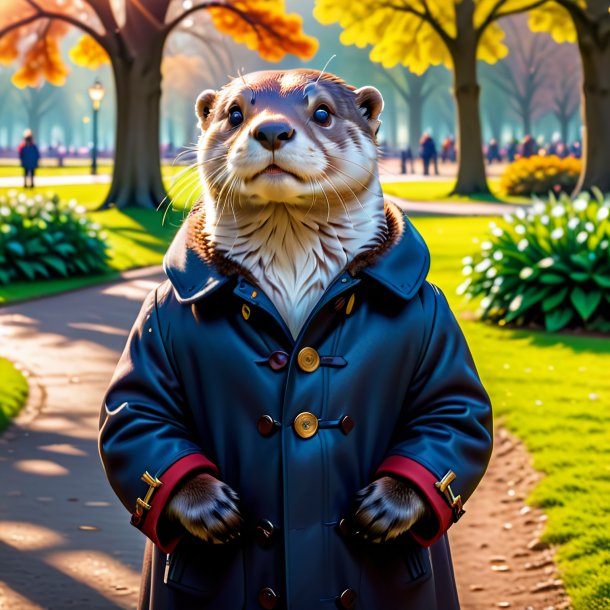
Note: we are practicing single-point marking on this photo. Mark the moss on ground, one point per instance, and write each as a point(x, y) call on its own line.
point(13, 392)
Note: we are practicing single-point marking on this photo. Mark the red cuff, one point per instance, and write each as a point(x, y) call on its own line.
point(424, 481)
point(185, 467)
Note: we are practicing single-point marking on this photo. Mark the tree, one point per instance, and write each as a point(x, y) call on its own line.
point(566, 99)
point(414, 89)
point(420, 33)
point(524, 76)
point(132, 35)
point(586, 22)
point(35, 103)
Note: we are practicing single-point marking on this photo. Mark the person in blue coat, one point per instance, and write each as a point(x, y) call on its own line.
point(29, 155)
point(304, 435)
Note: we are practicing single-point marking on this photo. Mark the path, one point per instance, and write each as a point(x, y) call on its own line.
point(65, 542)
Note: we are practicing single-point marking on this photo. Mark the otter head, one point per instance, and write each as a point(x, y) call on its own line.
point(297, 137)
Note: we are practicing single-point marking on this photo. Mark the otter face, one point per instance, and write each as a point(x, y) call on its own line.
point(288, 136)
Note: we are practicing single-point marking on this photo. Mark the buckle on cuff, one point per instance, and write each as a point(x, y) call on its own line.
point(455, 502)
point(144, 504)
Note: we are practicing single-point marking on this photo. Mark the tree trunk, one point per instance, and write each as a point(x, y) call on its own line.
point(595, 55)
point(416, 101)
point(136, 179)
point(471, 177)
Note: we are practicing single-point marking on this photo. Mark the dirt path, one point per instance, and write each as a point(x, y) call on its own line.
point(65, 542)
point(498, 558)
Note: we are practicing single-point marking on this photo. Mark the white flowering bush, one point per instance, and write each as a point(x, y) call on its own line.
point(548, 266)
point(41, 238)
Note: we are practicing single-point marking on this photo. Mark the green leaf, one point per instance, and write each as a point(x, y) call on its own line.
point(602, 280)
point(25, 268)
point(556, 320)
point(580, 276)
point(15, 248)
point(551, 278)
point(555, 299)
point(529, 298)
point(65, 249)
point(55, 263)
point(581, 261)
point(585, 302)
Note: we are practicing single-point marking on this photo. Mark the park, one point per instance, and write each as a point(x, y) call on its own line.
point(494, 140)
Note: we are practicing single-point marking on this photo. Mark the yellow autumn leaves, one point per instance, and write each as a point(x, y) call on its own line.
point(414, 33)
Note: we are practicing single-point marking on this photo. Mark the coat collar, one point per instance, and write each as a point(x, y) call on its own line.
point(400, 265)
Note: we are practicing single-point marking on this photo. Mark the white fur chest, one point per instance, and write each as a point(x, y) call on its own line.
point(294, 253)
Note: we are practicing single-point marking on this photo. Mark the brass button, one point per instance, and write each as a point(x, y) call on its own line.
point(267, 598)
point(350, 304)
point(308, 359)
point(347, 599)
point(245, 311)
point(305, 424)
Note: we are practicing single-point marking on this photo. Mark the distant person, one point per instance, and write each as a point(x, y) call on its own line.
point(427, 153)
point(528, 148)
point(511, 150)
point(29, 156)
point(576, 149)
point(448, 150)
point(493, 152)
point(406, 156)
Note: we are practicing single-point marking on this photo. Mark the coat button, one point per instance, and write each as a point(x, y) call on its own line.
point(245, 311)
point(305, 424)
point(308, 359)
point(278, 360)
point(265, 532)
point(347, 599)
point(266, 425)
point(346, 425)
point(267, 598)
point(350, 304)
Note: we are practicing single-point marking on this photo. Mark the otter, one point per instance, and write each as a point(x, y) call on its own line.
point(296, 420)
point(291, 194)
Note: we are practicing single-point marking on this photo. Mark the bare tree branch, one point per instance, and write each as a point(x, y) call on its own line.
point(45, 14)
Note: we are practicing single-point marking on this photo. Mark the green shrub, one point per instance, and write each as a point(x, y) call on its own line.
point(539, 175)
point(549, 266)
point(41, 238)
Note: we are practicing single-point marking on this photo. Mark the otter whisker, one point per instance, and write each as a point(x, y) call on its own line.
point(351, 190)
point(341, 200)
point(337, 169)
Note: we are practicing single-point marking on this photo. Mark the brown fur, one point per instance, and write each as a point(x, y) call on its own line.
point(386, 509)
point(207, 509)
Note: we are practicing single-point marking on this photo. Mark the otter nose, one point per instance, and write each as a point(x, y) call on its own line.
point(272, 134)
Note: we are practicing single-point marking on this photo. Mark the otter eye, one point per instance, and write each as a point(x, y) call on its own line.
point(321, 115)
point(235, 116)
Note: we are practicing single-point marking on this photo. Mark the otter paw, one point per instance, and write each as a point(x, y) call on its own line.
point(386, 509)
point(207, 509)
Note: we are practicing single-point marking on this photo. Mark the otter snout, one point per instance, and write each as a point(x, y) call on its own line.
point(272, 134)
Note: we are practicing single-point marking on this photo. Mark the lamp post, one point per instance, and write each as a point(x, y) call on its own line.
point(96, 93)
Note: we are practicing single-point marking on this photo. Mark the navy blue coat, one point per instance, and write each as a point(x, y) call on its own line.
point(201, 388)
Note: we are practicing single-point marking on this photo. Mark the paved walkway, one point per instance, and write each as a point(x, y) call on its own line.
point(65, 541)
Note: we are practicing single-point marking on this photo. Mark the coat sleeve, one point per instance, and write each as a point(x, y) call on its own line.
point(446, 424)
point(144, 428)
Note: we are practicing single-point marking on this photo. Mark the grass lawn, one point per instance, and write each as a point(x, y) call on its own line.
point(439, 190)
point(553, 392)
point(13, 394)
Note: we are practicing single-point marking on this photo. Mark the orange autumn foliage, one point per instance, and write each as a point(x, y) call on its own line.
point(42, 60)
point(262, 25)
point(266, 29)
point(88, 54)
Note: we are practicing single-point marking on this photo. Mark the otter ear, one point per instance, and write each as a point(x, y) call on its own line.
point(204, 104)
point(370, 102)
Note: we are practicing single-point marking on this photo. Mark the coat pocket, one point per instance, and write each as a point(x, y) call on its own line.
point(212, 573)
point(390, 573)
